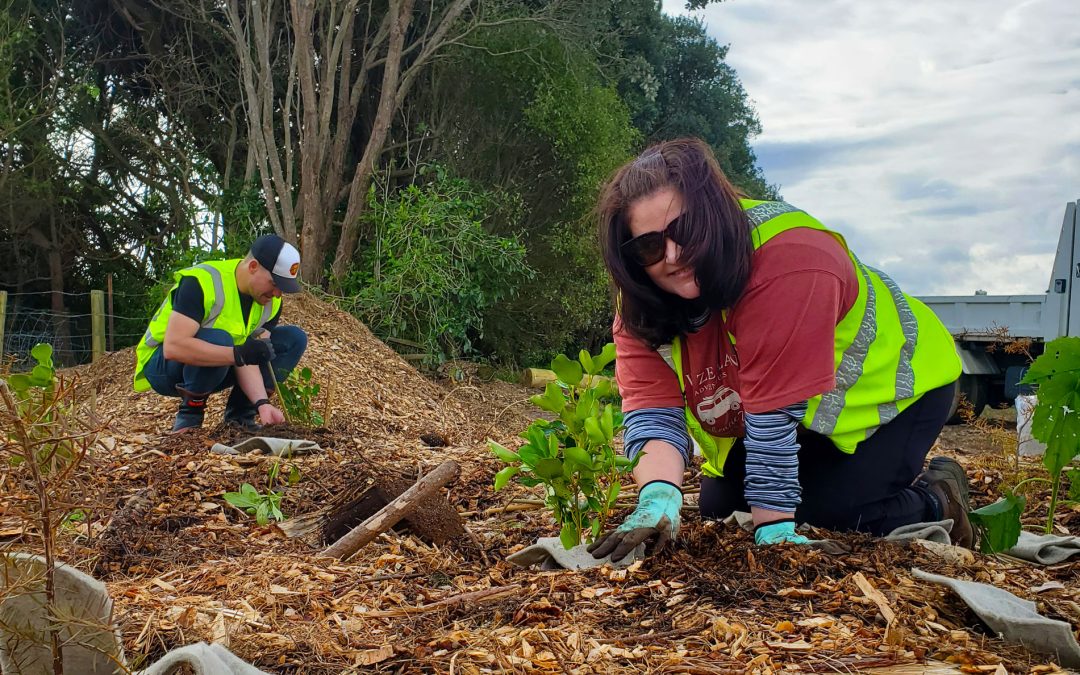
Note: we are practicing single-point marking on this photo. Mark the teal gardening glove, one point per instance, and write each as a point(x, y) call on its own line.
point(656, 515)
point(778, 532)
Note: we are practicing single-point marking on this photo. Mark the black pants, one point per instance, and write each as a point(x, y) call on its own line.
point(869, 491)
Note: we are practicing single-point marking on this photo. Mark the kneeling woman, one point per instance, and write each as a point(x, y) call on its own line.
point(814, 386)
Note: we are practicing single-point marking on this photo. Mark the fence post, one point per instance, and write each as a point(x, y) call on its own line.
point(3, 321)
point(97, 324)
point(112, 326)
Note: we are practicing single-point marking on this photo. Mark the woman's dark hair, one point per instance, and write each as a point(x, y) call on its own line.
point(715, 230)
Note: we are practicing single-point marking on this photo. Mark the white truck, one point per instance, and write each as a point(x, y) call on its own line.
point(982, 323)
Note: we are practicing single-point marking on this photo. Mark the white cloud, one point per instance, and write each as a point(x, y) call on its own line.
point(943, 139)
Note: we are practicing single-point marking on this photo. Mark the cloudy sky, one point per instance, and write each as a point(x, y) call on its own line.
point(942, 138)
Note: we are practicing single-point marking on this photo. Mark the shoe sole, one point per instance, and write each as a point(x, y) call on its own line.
point(183, 430)
point(952, 468)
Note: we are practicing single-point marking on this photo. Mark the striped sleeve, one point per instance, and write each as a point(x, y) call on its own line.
point(772, 458)
point(662, 424)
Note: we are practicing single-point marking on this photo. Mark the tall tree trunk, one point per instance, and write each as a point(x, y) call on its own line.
point(395, 86)
point(322, 96)
point(400, 16)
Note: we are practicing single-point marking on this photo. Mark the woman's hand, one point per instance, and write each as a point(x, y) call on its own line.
point(779, 532)
point(656, 517)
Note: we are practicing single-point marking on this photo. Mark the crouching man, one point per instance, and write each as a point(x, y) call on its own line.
point(218, 329)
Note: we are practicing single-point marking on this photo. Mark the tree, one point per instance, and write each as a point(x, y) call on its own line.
point(675, 80)
point(528, 112)
point(99, 172)
point(320, 81)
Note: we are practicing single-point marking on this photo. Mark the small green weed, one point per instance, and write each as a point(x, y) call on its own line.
point(265, 506)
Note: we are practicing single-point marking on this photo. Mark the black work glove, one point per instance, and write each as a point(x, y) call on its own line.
point(253, 352)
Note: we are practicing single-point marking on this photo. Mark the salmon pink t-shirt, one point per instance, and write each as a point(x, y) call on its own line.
point(801, 284)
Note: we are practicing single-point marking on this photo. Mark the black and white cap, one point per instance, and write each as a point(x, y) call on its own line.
point(281, 258)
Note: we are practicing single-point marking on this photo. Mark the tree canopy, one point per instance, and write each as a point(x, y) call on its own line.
point(138, 136)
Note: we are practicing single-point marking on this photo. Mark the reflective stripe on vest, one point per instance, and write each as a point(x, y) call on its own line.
point(215, 309)
point(218, 282)
point(905, 347)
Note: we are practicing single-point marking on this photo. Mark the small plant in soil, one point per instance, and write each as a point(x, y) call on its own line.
point(265, 506)
point(572, 456)
point(297, 394)
point(1056, 374)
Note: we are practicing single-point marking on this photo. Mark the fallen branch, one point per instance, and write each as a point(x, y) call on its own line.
point(392, 513)
point(540, 377)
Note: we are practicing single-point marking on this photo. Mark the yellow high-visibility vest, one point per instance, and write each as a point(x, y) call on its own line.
point(221, 301)
point(889, 349)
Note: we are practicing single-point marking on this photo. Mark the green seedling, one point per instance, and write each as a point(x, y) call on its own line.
point(1056, 374)
point(572, 456)
point(297, 394)
point(265, 506)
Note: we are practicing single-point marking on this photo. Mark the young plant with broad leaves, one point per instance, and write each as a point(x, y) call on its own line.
point(297, 394)
point(1056, 422)
point(265, 506)
point(572, 456)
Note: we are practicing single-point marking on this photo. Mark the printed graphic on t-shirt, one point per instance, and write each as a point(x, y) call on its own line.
point(714, 384)
point(714, 407)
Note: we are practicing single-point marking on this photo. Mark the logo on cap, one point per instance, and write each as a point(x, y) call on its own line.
point(294, 269)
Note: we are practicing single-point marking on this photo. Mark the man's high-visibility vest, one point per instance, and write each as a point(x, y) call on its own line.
point(889, 349)
point(221, 302)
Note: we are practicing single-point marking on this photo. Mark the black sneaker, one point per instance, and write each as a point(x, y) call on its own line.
point(242, 419)
point(241, 412)
point(946, 481)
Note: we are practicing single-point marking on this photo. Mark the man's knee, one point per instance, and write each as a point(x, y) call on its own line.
point(291, 339)
point(215, 336)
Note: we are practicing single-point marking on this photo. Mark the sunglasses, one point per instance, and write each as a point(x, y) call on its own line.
point(650, 248)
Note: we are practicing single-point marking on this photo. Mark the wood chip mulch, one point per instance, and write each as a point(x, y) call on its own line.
point(189, 567)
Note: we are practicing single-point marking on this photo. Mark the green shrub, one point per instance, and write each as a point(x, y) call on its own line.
point(297, 394)
point(572, 456)
point(432, 268)
point(1056, 373)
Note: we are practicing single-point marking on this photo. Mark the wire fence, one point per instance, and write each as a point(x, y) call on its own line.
point(29, 318)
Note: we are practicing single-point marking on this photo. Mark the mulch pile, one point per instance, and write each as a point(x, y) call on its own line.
point(185, 566)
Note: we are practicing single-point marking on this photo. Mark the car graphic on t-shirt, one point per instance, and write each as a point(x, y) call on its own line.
point(722, 401)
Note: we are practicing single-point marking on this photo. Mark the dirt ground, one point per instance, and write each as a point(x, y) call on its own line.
point(183, 565)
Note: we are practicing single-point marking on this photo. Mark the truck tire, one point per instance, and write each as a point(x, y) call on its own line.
point(973, 388)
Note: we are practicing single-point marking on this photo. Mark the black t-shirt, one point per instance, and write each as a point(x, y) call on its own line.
point(187, 299)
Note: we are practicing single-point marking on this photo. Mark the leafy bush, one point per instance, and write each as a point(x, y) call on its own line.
point(433, 268)
point(297, 394)
point(573, 457)
point(588, 130)
point(1056, 373)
